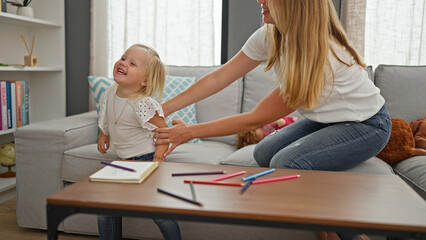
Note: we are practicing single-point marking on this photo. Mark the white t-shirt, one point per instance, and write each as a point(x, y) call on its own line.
point(132, 134)
point(353, 96)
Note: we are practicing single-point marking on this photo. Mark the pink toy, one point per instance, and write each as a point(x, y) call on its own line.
point(280, 123)
point(254, 136)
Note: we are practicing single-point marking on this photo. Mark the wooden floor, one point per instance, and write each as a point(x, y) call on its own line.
point(10, 230)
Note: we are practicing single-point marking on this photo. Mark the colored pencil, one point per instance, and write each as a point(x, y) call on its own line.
point(214, 183)
point(191, 184)
point(117, 166)
point(254, 176)
point(275, 179)
point(197, 173)
point(179, 197)
point(228, 176)
point(246, 186)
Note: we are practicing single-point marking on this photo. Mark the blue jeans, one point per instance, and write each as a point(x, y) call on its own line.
point(107, 225)
point(311, 145)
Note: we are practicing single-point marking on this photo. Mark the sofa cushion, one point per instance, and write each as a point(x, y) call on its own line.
point(403, 89)
point(370, 72)
point(98, 86)
point(257, 85)
point(206, 152)
point(87, 156)
point(241, 157)
point(173, 87)
point(413, 171)
point(244, 157)
point(373, 165)
point(224, 103)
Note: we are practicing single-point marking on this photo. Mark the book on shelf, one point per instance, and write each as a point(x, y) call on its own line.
point(3, 104)
point(115, 174)
point(18, 86)
point(8, 105)
point(14, 99)
point(13, 103)
point(25, 103)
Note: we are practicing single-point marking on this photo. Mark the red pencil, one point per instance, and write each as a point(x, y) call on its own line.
point(214, 183)
point(276, 179)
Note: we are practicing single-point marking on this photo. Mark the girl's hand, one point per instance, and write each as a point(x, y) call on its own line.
point(159, 158)
point(176, 135)
point(103, 143)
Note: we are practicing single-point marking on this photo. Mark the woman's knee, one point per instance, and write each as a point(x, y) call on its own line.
point(260, 156)
point(287, 160)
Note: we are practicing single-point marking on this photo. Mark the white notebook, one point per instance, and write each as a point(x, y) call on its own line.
point(115, 174)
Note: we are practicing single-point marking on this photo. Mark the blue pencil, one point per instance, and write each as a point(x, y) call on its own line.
point(246, 186)
point(254, 176)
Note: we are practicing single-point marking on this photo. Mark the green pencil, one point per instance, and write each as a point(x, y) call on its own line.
point(191, 184)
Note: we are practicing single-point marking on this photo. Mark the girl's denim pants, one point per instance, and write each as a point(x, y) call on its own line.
point(311, 145)
point(107, 224)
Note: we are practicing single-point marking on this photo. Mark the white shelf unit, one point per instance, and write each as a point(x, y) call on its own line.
point(47, 80)
point(7, 189)
point(25, 21)
point(30, 69)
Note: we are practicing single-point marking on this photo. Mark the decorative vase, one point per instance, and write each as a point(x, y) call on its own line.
point(25, 11)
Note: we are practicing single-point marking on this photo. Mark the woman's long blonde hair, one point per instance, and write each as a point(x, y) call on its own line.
point(155, 75)
point(300, 47)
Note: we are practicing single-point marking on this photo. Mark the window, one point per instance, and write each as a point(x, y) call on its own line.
point(184, 32)
point(395, 32)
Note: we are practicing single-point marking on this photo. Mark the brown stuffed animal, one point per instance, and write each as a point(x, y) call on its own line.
point(419, 131)
point(401, 143)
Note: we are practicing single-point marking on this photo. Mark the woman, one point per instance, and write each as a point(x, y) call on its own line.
point(319, 73)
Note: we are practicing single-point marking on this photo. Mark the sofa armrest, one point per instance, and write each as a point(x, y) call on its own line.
point(39, 152)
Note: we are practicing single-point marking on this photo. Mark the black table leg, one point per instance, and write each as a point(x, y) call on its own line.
point(55, 215)
point(118, 224)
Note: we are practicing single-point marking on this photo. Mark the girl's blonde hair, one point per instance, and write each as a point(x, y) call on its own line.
point(300, 46)
point(155, 75)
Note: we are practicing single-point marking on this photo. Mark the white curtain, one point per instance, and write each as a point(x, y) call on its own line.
point(395, 32)
point(182, 32)
point(353, 20)
point(387, 31)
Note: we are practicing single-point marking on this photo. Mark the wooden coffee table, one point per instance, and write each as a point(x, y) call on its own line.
point(318, 200)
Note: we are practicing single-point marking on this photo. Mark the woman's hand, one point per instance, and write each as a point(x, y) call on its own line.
point(176, 135)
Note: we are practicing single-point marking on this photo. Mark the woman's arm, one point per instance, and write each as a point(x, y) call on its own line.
point(271, 108)
point(212, 83)
point(160, 149)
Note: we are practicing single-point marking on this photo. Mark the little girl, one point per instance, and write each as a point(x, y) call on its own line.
point(127, 116)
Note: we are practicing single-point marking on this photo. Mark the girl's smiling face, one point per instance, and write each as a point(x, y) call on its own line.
point(130, 70)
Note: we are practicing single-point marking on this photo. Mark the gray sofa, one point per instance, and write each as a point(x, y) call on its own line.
point(52, 154)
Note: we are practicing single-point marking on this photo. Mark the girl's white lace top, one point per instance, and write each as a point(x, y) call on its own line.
point(132, 135)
